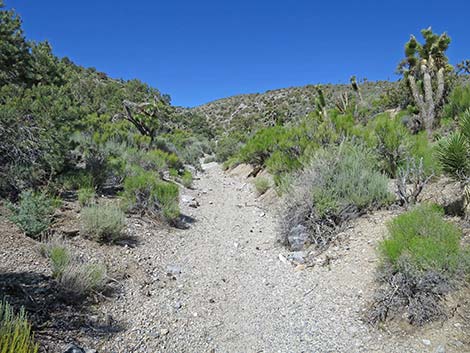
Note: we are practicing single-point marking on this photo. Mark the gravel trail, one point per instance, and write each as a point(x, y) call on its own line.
point(223, 285)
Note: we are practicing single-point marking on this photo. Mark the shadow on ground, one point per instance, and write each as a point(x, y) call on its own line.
point(54, 321)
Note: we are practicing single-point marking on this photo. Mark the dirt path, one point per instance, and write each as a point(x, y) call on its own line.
point(220, 286)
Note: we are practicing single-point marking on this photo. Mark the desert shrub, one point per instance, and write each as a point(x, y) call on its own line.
point(391, 135)
point(421, 261)
point(86, 196)
point(33, 212)
point(228, 146)
point(15, 331)
point(58, 253)
point(457, 102)
point(144, 192)
point(338, 184)
point(262, 185)
point(187, 179)
point(75, 279)
point(102, 222)
point(75, 179)
point(394, 144)
point(79, 280)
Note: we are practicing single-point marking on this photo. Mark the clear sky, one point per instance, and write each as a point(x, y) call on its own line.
point(201, 50)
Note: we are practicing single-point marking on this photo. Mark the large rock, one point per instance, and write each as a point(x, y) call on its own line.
point(298, 238)
point(446, 193)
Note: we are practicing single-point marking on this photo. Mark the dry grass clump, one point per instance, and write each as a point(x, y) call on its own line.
point(75, 278)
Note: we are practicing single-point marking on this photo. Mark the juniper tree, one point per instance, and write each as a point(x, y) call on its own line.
point(425, 69)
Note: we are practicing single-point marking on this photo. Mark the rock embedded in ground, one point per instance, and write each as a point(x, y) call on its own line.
point(298, 238)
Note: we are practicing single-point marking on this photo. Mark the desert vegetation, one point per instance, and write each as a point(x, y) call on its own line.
point(88, 161)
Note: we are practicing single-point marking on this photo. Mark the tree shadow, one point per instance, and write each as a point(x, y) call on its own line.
point(52, 318)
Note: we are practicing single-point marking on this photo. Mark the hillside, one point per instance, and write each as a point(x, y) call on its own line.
point(285, 103)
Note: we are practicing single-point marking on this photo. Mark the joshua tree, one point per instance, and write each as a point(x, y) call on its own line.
point(454, 155)
point(425, 68)
point(320, 103)
point(355, 87)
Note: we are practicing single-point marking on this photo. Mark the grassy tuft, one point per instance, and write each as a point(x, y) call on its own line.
point(262, 185)
point(103, 223)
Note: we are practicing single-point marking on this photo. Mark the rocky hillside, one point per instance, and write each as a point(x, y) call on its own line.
point(285, 103)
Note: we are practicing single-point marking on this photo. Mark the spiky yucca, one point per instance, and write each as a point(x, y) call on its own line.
point(15, 331)
point(454, 155)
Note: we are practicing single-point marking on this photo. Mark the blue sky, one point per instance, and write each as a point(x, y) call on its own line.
point(198, 51)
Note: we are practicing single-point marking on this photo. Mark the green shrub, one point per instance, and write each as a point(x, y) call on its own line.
point(75, 278)
point(76, 179)
point(262, 185)
point(422, 261)
point(391, 136)
point(338, 184)
point(15, 331)
point(428, 241)
point(227, 147)
point(458, 102)
point(33, 213)
point(102, 223)
point(145, 192)
point(86, 196)
point(58, 254)
point(187, 179)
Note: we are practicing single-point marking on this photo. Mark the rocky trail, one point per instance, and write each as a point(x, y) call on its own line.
point(225, 285)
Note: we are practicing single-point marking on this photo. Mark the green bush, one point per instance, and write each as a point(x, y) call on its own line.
point(58, 254)
point(187, 179)
point(425, 238)
point(102, 223)
point(227, 147)
point(86, 196)
point(15, 331)
point(422, 261)
point(262, 185)
point(75, 180)
point(338, 184)
point(458, 102)
point(145, 192)
point(33, 212)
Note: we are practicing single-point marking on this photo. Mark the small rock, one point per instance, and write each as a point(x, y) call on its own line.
point(298, 237)
point(297, 256)
point(441, 349)
point(173, 270)
point(426, 342)
point(283, 259)
point(72, 348)
point(164, 331)
point(178, 305)
point(194, 204)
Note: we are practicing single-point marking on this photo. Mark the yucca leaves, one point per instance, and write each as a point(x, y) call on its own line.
point(454, 151)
